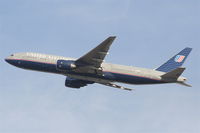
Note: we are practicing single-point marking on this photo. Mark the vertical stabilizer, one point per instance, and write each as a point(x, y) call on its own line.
point(176, 61)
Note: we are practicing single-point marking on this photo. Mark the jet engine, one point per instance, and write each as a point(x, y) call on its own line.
point(65, 65)
point(76, 83)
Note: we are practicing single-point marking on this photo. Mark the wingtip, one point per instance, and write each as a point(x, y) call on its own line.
point(113, 37)
point(189, 48)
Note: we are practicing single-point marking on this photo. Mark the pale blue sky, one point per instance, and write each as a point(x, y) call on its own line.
point(148, 33)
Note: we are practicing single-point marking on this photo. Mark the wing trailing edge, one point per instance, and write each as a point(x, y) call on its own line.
point(91, 62)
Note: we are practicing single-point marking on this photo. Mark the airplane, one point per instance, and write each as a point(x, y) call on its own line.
point(91, 68)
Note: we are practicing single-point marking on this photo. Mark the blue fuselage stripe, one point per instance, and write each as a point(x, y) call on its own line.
point(112, 76)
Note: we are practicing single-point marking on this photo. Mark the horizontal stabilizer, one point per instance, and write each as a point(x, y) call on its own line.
point(174, 74)
point(183, 83)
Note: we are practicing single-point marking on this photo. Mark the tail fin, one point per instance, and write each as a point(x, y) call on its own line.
point(176, 61)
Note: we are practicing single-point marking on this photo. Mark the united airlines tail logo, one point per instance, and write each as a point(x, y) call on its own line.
point(179, 58)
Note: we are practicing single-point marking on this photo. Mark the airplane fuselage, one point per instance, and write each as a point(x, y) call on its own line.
point(111, 72)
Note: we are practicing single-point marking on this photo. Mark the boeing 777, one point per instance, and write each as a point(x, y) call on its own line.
point(91, 68)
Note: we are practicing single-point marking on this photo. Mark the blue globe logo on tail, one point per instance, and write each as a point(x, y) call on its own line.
point(179, 58)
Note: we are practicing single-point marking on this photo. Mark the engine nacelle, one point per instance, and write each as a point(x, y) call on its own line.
point(65, 65)
point(76, 83)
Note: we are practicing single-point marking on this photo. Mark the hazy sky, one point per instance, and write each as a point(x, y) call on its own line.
point(148, 33)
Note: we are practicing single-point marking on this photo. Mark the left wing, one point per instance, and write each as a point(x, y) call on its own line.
point(91, 62)
point(116, 86)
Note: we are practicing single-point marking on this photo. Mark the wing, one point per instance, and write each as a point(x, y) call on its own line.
point(116, 86)
point(92, 60)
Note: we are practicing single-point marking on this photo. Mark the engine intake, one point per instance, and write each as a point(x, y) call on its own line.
point(65, 65)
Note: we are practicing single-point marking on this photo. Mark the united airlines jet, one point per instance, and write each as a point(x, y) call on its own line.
point(91, 68)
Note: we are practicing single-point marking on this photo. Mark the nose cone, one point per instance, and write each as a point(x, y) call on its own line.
point(13, 60)
point(7, 60)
